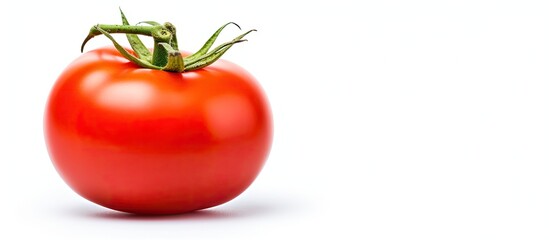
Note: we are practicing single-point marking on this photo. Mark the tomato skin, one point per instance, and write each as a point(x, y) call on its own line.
point(153, 142)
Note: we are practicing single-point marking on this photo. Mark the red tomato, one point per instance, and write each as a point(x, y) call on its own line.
point(154, 142)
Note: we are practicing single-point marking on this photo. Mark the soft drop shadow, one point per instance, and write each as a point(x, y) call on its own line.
point(258, 206)
point(206, 214)
point(242, 209)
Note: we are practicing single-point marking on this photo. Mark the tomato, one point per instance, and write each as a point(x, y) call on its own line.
point(154, 142)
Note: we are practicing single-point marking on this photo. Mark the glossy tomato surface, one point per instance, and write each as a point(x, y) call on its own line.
point(153, 142)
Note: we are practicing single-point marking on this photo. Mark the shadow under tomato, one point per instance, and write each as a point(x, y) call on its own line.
point(267, 205)
point(206, 214)
point(228, 211)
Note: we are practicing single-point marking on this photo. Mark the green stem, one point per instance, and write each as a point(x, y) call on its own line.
point(142, 30)
point(131, 29)
point(174, 60)
point(171, 28)
point(160, 54)
point(165, 53)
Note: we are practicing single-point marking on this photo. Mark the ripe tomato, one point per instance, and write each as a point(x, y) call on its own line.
point(155, 142)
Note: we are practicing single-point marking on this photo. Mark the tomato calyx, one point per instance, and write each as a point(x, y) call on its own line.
point(165, 54)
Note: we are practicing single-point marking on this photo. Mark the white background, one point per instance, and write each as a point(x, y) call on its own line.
point(393, 119)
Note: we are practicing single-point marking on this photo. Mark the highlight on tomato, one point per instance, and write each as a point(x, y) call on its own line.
point(157, 131)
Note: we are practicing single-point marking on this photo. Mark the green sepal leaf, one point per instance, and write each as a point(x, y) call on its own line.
point(152, 23)
point(125, 53)
point(214, 55)
point(206, 47)
point(137, 45)
point(210, 57)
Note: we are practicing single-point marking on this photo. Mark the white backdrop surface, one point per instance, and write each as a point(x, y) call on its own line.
point(393, 119)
